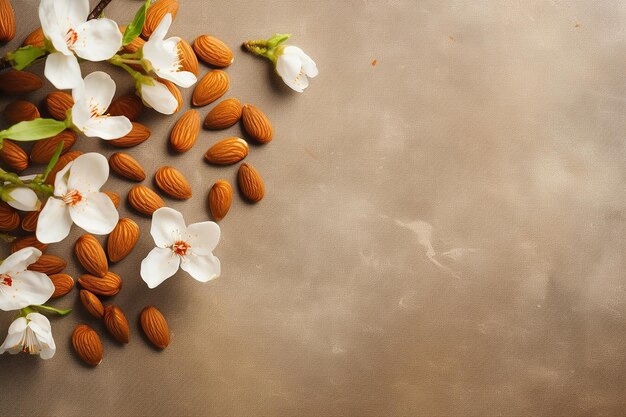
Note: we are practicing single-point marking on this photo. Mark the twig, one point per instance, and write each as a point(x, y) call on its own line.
point(97, 11)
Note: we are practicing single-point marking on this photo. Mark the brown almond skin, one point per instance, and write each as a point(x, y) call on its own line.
point(61, 163)
point(122, 239)
point(189, 60)
point(220, 199)
point(250, 183)
point(19, 82)
point(20, 111)
point(139, 134)
point(155, 327)
point(224, 115)
point(9, 219)
point(92, 303)
point(26, 241)
point(256, 124)
point(185, 131)
point(13, 156)
point(173, 183)
point(7, 21)
point(129, 105)
point(135, 45)
point(115, 198)
point(211, 87)
point(144, 200)
point(35, 38)
point(126, 166)
point(116, 323)
point(107, 286)
point(48, 264)
point(63, 284)
point(156, 13)
point(58, 103)
point(29, 221)
point(87, 345)
point(213, 51)
point(227, 151)
point(43, 150)
point(174, 90)
point(91, 256)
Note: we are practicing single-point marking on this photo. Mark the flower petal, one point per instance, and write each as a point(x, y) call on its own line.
point(203, 237)
point(158, 97)
point(98, 40)
point(95, 214)
point(27, 288)
point(40, 326)
point(163, 55)
point(14, 337)
point(48, 17)
point(308, 65)
point(168, 226)
point(60, 181)
point(88, 173)
point(99, 89)
point(201, 267)
point(19, 261)
point(161, 30)
point(184, 79)
point(71, 12)
point(62, 70)
point(159, 265)
point(108, 127)
point(24, 199)
point(54, 222)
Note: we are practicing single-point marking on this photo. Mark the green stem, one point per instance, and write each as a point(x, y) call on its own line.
point(52, 309)
point(7, 238)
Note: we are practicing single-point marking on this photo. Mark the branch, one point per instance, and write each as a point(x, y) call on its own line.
point(97, 11)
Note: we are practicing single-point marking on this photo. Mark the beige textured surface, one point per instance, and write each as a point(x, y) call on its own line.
point(443, 233)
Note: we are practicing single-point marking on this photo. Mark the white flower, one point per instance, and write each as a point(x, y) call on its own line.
point(163, 55)
point(19, 287)
point(188, 247)
point(31, 334)
point(294, 67)
point(22, 198)
point(77, 198)
point(64, 23)
point(157, 96)
point(92, 98)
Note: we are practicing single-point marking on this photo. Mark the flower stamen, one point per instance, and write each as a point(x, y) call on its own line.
point(71, 37)
point(181, 247)
point(72, 197)
point(6, 280)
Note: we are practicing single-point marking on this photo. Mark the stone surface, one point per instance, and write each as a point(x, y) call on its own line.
point(442, 231)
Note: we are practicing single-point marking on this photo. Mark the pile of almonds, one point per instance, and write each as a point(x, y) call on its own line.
point(99, 281)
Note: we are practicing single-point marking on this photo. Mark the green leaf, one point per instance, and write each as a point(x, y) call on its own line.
point(53, 161)
point(25, 56)
point(276, 40)
point(33, 130)
point(134, 28)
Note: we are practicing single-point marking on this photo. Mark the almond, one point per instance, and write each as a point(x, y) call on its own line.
point(188, 58)
point(43, 150)
point(224, 115)
point(129, 105)
point(87, 344)
point(19, 82)
point(9, 219)
point(91, 256)
point(127, 166)
point(63, 284)
point(108, 285)
point(250, 183)
point(144, 200)
point(134, 46)
point(29, 221)
point(92, 303)
point(155, 327)
point(173, 183)
point(175, 92)
point(213, 51)
point(48, 264)
point(156, 13)
point(20, 111)
point(220, 199)
point(256, 124)
point(137, 135)
point(115, 198)
point(227, 151)
point(61, 163)
point(58, 103)
point(185, 131)
point(122, 239)
point(211, 87)
point(7, 21)
point(116, 323)
point(13, 156)
point(26, 241)
point(35, 38)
